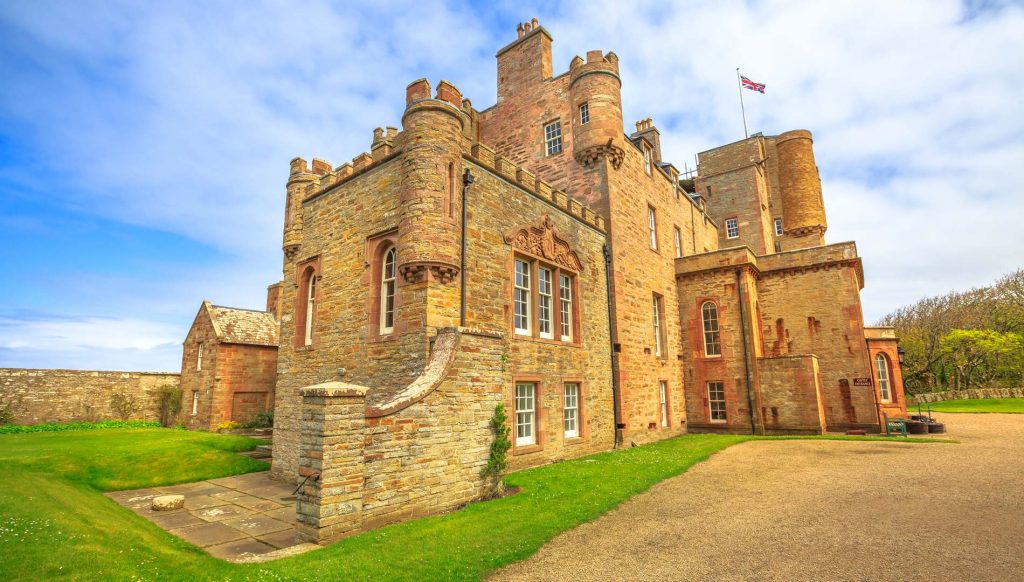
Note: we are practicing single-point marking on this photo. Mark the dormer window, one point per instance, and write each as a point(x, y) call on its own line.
point(647, 158)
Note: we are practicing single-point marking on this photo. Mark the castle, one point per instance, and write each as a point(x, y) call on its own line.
point(533, 254)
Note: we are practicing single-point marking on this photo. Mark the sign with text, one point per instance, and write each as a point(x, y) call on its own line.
point(862, 381)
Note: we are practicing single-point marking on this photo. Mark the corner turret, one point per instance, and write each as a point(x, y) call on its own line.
point(800, 187)
point(595, 93)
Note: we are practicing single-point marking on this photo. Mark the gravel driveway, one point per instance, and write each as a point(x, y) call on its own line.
point(817, 510)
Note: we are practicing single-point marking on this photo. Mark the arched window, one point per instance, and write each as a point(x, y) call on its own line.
point(310, 306)
point(882, 370)
point(712, 340)
point(387, 292)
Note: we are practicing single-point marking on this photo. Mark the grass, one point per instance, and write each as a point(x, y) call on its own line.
point(1005, 405)
point(54, 521)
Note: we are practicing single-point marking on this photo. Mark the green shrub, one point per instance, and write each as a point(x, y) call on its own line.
point(169, 403)
point(261, 420)
point(498, 460)
point(62, 426)
point(124, 405)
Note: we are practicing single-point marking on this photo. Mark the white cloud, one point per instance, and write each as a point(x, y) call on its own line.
point(183, 118)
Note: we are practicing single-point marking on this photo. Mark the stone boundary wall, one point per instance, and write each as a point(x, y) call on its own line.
point(971, 393)
point(39, 395)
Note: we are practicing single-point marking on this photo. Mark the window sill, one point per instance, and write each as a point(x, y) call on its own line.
point(308, 348)
point(527, 449)
point(576, 440)
point(550, 342)
point(375, 338)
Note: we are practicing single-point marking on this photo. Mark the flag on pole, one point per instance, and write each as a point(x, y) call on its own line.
point(752, 85)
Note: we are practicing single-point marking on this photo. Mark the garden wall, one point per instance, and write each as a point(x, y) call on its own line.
point(37, 395)
point(971, 393)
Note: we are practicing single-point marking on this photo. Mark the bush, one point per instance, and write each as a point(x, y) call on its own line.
point(62, 426)
point(6, 413)
point(261, 420)
point(124, 405)
point(227, 425)
point(498, 460)
point(169, 403)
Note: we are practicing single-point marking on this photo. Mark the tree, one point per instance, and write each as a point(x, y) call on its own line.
point(980, 355)
point(497, 462)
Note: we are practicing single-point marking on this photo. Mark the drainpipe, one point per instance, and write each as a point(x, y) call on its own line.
point(617, 414)
point(467, 179)
point(746, 352)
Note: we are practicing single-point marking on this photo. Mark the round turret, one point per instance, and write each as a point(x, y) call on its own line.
point(431, 188)
point(299, 179)
point(597, 128)
point(800, 184)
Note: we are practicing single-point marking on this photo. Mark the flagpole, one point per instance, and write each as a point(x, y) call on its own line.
point(743, 112)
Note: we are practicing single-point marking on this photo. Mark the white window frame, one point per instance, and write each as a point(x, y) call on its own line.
point(663, 402)
point(656, 324)
point(712, 330)
point(545, 303)
point(652, 226)
point(526, 413)
point(310, 308)
point(584, 113)
point(732, 228)
point(521, 298)
point(195, 402)
point(882, 373)
point(571, 409)
point(677, 235)
point(199, 358)
point(553, 138)
point(778, 227)
point(647, 158)
point(716, 396)
point(388, 281)
point(565, 306)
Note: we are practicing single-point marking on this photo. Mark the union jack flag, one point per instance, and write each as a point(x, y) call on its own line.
point(753, 86)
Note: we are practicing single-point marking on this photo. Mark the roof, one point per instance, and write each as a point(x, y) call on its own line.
point(242, 326)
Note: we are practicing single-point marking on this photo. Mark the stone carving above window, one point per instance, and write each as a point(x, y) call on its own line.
point(541, 240)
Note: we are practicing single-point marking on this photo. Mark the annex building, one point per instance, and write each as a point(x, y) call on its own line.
point(533, 254)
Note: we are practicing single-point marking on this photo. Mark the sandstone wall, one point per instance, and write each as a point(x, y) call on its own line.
point(791, 395)
point(77, 395)
point(734, 181)
point(195, 380)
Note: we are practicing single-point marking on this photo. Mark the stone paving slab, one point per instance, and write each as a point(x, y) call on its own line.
point(243, 518)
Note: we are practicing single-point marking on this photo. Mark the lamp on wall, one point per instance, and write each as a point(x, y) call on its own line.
point(899, 352)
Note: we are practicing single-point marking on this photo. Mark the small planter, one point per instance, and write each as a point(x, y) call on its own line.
point(917, 427)
point(936, 427)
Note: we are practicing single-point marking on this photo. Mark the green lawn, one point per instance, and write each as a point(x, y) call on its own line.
point(54, 521)
point(1010, 405)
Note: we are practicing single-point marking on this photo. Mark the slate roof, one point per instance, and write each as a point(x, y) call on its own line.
point(243, 326)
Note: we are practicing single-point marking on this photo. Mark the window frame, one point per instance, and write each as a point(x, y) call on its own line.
point(306, 271)
point(553, 139)
point(532, 413)
point(309, 322)
point(664, 419)
point(720, 390)
point(652, 227)
point(195, 402)
point(648, 154)
point(527, 290)
point(882, 365)
point(730, 225)
point(584, 110)
point(388, 289)
point(779, 231)
point(577, 431)
point(716, 333)
point(565, 316)
point(199, 357)
point(545, 302)
point(658, 325)
point(677, 237)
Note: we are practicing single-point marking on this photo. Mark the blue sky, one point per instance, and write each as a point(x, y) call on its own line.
point(144, 146)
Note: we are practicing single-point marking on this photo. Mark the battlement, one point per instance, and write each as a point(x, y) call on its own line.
point(523, 178)
point(596, 63)
point(419, 90)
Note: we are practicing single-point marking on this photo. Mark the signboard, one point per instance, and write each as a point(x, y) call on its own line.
point(862, 382)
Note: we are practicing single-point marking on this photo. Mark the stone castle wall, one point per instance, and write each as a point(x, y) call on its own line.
point(40, 395)
point(970, 393)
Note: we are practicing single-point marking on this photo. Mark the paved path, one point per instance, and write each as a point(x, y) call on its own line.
point(240, 518)
point(817, 510)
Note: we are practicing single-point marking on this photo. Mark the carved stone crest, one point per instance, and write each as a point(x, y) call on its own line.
point(542, 240)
